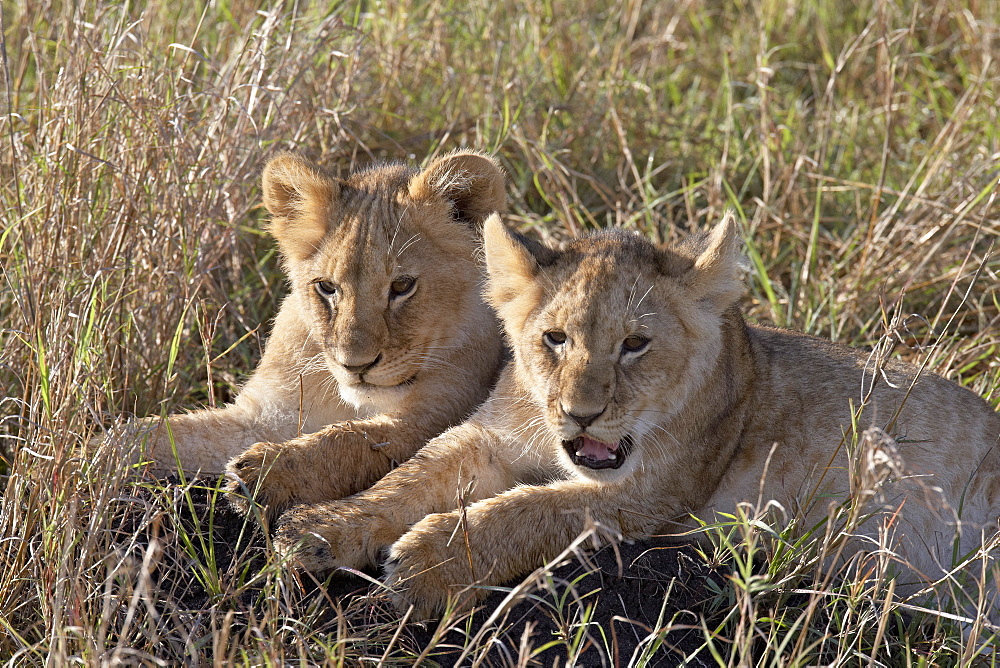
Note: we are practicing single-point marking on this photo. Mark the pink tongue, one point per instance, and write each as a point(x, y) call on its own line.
point(596, 450)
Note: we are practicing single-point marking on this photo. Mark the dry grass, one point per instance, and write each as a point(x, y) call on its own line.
point(859, 143)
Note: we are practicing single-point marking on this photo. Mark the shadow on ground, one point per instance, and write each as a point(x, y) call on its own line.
point(637, 603)
point(627, 604)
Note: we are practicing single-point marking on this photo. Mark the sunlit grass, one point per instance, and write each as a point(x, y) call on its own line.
point(858, 142)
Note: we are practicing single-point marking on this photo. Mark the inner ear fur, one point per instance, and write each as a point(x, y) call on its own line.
point(472, 182)
point(301, 200)
point(717, 274)
point(513, 263)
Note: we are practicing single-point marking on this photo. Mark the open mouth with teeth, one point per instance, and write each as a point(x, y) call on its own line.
point(593, 454)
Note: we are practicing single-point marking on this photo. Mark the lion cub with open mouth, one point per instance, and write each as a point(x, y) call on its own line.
point(637, 395)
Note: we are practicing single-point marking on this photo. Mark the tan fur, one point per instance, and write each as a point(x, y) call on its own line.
point(438, 347)
point(709, 404)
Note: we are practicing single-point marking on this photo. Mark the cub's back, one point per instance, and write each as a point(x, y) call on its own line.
point(807, 388)
point(815, 383)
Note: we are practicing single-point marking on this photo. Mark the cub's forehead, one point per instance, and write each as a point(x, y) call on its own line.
point(385, 179)
point(617, 248)
point(376, 199)
point(604, 291)
point(610, 275)
point(616, 257)
point(374, 233)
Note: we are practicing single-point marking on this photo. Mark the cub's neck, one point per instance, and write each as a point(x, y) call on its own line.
point(717, 411)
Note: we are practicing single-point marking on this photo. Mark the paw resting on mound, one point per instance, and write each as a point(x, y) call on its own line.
point(429, 564)
point(261, 475)
point(356, 531)
point(319, 539)
point(333, 463)
point(425, 567)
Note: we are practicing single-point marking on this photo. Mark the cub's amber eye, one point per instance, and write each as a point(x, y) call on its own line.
point(554, 338)
point(635, 343)
point(402, 286)
point(326, 288)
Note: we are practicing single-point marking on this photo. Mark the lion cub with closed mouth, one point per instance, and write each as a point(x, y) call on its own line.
point(638, 395)
point(383, 342)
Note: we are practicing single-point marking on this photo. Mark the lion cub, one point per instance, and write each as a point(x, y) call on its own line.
point(384, 341)
point(638, 394)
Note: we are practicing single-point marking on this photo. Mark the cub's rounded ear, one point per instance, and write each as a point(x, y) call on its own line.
point(512, 264)
point(717, 275)
point(471, 182)
point(301, 200)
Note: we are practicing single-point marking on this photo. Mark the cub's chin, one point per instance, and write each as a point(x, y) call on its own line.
point(372, 399)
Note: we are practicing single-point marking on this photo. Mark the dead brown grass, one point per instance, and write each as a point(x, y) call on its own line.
point(858, 142)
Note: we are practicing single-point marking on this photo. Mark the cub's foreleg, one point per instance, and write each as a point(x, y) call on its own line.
point(458, 466)
point(203, 440)
point(500, 538)
point(331, 463)
point(349, 455)
point(206, 439)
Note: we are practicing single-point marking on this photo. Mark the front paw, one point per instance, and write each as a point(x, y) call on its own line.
point(429, 568)
point(319, 538)
point(261, 475)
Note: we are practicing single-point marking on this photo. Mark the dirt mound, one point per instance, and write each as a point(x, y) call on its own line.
point(633, 600)
point(624, 602)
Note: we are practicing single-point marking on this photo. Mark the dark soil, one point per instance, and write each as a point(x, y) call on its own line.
point(630, 591)
point(634, 590)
